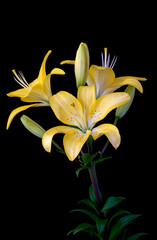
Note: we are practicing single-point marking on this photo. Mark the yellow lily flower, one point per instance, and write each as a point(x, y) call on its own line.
point(104, 77)
point(37, 92)
point(82, 113)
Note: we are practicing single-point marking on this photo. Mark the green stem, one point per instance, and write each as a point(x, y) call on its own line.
point(93, 175)
point(94, 180)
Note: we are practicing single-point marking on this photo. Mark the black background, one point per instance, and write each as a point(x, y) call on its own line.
point(38, 190)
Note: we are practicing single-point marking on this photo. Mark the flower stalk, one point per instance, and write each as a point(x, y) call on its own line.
point(94, 180)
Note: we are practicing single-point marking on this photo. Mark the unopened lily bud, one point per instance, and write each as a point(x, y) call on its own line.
point(81, 65)
point(122, 110)
point(32, 126)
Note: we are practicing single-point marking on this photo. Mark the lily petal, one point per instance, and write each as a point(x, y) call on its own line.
point(111, 132)
point(42, 72)
point(121, 81)
point(36, 94)
point(87, 96)
point(101, 77)
point(20, 109)
point(47, 83)
point(105, 104)
point(68, 62)
point(67, 108)
point(22, 92)
point(73, 142)
point(48, 136)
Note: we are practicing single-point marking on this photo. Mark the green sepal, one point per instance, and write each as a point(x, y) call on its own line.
point(112, 202)
point(81, 228)
point(136, 236)
point(120, 224)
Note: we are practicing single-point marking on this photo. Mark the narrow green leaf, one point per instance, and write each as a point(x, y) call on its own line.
point(111, 202)
point(82, 227)
point(59, 149)
point(120, 212)
point(136, 236)
point(101, 160)
point(80, 169)
point(100, 224)
point(90, 214)
point(120, 224)
point(87, 158)
point(90, 204)
point(91, 194)
point(92, 233)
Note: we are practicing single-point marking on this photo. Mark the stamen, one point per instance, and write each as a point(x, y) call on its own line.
point(106, 59)
point(105, 52)
point(113, 62)
point(20, 79)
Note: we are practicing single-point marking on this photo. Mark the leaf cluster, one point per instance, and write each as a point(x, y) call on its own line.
point(106, 223)
point(87, 159)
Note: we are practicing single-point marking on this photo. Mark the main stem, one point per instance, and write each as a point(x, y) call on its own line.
point(94, 180)
point(93, 176)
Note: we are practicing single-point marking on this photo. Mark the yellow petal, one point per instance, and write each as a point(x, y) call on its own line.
point(20, 109)
point(22, 92)
point(42, 72)
point(121, 81)
point(47, 83)
point(48, 136)
point(73, 142)
point(36, 94)
point(105, 104)
point(68, 62)
point(67, 108)
point(111, 132)
point(102, 77)
point(87, 96)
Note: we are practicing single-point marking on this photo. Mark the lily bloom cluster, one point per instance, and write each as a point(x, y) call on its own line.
point(96, 97)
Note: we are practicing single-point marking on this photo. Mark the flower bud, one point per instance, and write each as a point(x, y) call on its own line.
point(81, 65)
point(32, 126)
point(122, 110)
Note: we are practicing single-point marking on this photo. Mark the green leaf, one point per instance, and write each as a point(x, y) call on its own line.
point(100, 224)
point(92, 233)
point(91, 194)
point(59, 149)
point(87, 158)
point(120, 224)
point(81, 228)
point(136, 236)
point(101, 160)
point(90, 204)
point(80, 169)
point(90, 214)
point(120, 212)
point(111, 202)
